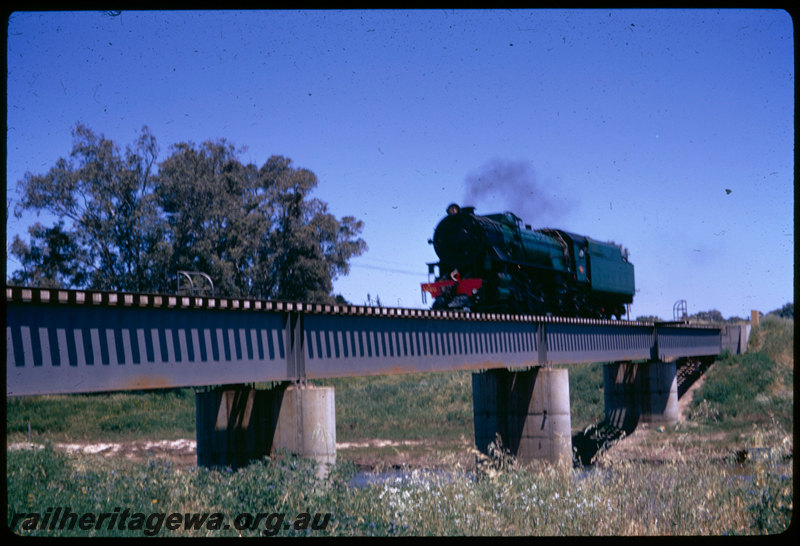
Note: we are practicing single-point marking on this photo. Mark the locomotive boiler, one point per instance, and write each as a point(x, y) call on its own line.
point(493, 263)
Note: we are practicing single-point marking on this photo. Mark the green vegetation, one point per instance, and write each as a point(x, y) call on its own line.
point(132, 224)
point(753, 388)
point(621, 499)
point(402, 407)
point(585, 394)
point(114, 416)
point(747, 398)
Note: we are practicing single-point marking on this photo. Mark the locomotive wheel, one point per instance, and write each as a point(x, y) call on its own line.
point(591, 310)
point(579, 304)
point(458, 303)
point(528, 299)
point(567, 303)
point(539, 301)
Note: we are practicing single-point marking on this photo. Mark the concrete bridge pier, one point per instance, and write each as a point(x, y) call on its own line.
point(528, 409)
point(640, 393)
point(237, 424)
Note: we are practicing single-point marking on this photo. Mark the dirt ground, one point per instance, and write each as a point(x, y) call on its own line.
point(181, 452)
point(375, 454)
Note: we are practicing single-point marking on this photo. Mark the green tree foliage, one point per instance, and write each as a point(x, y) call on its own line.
point(712, 316)
point(256, 231)
point(52, 260)
point(308, 247)
point(787, 311)
point(107, 196)
point(216, 215)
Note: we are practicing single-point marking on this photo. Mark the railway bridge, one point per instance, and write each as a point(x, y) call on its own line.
point(75, 341)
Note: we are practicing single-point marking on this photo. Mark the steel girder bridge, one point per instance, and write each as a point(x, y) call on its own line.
point(75, 341)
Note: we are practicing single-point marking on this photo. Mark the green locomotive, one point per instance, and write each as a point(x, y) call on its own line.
point(493, 263)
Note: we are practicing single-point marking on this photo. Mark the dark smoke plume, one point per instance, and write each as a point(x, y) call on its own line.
point(504, 185)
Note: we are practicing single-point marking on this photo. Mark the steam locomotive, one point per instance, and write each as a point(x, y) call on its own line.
point(493, 263)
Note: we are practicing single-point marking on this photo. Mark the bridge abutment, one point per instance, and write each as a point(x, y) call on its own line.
point(640, 393)
point(238, 424)
point(529, 410)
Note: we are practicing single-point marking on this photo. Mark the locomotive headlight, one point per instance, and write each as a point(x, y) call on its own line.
point(453, 209)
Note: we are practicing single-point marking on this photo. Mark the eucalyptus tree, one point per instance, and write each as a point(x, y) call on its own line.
point(133, 224)
point(215, 213)
point(53, 259)
point(106, 196)
point(256, 232)
point(307, 247)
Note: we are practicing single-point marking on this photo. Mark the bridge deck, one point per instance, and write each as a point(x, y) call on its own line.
point(68, 341)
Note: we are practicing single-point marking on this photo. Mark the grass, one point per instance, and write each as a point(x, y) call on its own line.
point(168, 414)
point(676, 498)
point(585, 394)
point(395, 407)
point(403, 407)
point(748, 397)
point(754, 388)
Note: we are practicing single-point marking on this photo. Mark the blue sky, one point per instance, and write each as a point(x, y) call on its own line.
point(623, 125)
